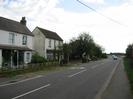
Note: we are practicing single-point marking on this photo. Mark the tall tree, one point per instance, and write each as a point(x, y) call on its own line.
point(129, 51)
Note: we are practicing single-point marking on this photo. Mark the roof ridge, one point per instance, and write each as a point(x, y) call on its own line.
point(14, 26)
point(47, 30)
point(9, 19)
point(50, 34)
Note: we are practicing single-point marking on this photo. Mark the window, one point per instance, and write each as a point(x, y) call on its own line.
point(54, 43)
point(11, 38)
point(28, 57)
point(24, 41)
point(49, 42)
point(59, 43)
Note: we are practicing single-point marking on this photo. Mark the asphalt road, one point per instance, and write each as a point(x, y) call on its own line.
point(78, 82)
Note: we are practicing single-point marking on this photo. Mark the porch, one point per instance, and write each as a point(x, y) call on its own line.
point(14, 57)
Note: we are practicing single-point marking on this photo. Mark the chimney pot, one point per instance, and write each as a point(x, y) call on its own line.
point(23, 21)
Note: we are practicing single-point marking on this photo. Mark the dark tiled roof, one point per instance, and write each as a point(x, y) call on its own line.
point(50, 34)
point(14, 26)
point(13, 47)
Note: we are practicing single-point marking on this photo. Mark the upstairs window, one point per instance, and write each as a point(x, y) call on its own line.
point(11, 38)
point(59, 43)
point(54, 43)
point(49, 43)
point(24, 40)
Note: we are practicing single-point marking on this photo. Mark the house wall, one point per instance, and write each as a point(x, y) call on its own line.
point(4, 39)
point(52, 45)
point(39, 42)
point(0, 58)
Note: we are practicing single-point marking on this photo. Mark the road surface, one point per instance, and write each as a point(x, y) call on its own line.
point(77, 82)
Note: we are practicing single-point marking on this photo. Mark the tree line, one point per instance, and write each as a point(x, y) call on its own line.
point(83, 47)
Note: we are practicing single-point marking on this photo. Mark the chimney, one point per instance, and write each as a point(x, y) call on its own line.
point(23, 21)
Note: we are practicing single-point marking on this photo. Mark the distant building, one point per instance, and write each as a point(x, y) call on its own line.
point(15, 43)
point(47, 43)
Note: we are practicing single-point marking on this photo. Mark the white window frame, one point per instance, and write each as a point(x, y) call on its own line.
point(54, 43)
point(24, 40)
point(59, 43)
point(49, 43)
point(28, 57)
point(11, 38)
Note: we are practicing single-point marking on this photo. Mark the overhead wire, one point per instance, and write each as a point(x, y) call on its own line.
point(109, 18)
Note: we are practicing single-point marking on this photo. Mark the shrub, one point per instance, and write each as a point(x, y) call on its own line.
point(36, 58)
point(128, 67)
point(104, 55)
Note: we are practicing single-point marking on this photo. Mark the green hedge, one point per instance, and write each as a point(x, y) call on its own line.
point(36, 58)
point(128, 63)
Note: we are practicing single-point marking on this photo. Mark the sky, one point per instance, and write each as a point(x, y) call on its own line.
point(110, 27)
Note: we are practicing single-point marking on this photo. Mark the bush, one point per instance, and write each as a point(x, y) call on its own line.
point(128, 67)
point(104, 55)
point(36, 58)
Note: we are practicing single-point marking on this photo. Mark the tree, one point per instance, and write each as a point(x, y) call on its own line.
point(129, 51)
point(66, 52)
point(81, 45)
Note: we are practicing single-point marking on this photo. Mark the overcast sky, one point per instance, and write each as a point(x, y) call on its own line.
point(69, 18)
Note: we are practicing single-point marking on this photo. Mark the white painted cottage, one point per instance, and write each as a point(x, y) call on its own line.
point(47, 43)
point(15, 43)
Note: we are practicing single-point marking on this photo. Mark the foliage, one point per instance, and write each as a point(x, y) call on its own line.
point(66, 52)
point(36, 58)
point(104, 55)
point(129, 51)
point(128, 63)
point(84, 47)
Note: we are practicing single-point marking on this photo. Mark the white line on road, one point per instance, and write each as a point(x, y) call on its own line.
point(7, 84)
point(31, 91)
point(107, 82)
point(95, 66)
point(77, 67)
point(77, 73)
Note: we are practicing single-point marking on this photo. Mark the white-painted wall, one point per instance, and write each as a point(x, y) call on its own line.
point(39, 42)
point(4, 39)
point(52, 44)
point(0, 58)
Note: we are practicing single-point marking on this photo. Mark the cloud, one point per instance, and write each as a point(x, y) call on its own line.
point(46, 14)
point(95, 1)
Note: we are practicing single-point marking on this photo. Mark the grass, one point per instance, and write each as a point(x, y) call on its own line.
point(128, 63)
point(34, 70)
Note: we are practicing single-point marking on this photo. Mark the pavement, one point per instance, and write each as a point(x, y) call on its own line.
point(84, 81)
point(119, 87)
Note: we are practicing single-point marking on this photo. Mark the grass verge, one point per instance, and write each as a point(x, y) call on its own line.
point(128, 63)
point(34, 70)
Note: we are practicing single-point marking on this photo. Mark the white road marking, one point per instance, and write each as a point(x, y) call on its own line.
point(7, 84)
point(77, 73)
point(77, 67)
point(107, 82)
point(31, 91)
point(95, 66)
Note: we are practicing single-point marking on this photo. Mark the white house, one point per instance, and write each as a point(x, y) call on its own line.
point(15, 42)
point(47, 43)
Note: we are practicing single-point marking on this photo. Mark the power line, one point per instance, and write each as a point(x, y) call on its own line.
point(109, 18)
